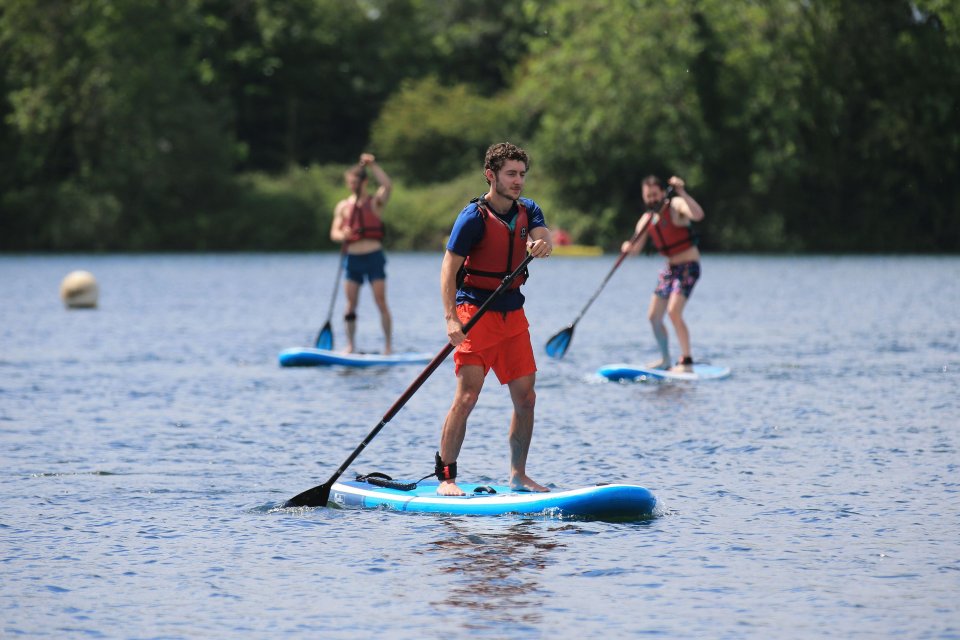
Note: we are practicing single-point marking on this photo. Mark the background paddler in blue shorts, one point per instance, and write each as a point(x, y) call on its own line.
point(357, 223)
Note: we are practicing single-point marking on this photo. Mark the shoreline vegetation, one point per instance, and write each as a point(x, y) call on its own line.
point(801, 126)
point(292, 212)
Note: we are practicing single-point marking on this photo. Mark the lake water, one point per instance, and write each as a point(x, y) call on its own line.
point(147, 445)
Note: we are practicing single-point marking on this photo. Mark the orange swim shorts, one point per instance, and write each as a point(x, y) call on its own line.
point(499, 341)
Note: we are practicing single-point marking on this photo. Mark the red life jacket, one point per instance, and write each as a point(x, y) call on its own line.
point(499, 251)
point(365, 223)
point(671, 239)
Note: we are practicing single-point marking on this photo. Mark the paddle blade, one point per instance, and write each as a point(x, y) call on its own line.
point(325, 338)
point(557, 345)
point(316, 497)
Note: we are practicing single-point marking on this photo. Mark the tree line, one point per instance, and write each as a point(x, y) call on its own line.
point(800, 125)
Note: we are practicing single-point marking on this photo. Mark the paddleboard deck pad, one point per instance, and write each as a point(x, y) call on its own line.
point(608, 501)
point(623, 371)
point(311, 357)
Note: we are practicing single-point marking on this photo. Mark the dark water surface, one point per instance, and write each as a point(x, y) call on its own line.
point(146, 446)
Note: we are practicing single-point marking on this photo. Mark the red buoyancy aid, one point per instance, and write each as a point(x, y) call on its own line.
point(671, 239)
point(364, 223)
point(498, 252)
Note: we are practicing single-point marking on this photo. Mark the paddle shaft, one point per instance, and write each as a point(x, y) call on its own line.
point(616, 265)
point(324, 490)
point(336, 282)
point(558, 344)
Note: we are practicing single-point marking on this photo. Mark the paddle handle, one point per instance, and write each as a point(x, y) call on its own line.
point(428, 371)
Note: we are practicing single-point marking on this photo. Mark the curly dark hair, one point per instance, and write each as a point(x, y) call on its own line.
point(499, 153)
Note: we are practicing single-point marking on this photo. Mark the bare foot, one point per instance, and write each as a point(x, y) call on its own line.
point(681, 368)
point(348, 349)
point(387, 351)
point(449, 488)
point(657, 364)
point(524, 483)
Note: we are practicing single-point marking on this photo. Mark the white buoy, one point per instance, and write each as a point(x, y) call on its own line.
point(79, 290)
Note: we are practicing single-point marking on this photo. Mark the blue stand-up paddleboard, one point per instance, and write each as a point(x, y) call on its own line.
point(609, 501)
point(310, 357)
point(623, 371)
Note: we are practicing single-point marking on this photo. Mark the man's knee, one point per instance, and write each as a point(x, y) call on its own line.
point(526, 402)
point(655, 314)
point(524, 398)
point(676, 313)
point(465, 400)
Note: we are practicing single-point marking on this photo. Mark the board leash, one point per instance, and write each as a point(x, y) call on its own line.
point(379, 479)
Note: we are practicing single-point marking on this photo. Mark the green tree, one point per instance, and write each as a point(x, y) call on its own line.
point(303, 76)
point(308, 77)
point(799, 125)
point(881, 132)
point(454, 127)
point(114, 141)
point(610, 89)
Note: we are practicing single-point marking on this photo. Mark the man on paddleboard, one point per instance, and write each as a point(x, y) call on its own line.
point(357, 223)
point(666, 222)
point(490, 239)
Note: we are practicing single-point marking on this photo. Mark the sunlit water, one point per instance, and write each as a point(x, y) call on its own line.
point(147, 445)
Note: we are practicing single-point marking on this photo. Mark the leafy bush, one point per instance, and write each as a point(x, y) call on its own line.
point(429, 133)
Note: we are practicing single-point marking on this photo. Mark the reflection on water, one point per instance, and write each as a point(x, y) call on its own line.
point(497, 572)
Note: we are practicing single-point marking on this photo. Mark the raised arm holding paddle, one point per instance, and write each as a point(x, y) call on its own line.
point(667, 223)
point(357, 225)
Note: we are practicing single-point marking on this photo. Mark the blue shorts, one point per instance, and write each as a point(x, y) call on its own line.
point(678, 278)
point(372, 265)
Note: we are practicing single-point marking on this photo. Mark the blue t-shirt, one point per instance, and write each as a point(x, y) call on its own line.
point(467, 232)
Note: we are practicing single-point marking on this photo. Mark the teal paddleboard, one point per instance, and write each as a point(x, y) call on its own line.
point(311, 357)
point(607, 501)
point(623, 371)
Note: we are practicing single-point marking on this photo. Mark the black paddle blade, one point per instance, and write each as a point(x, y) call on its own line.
point(557, 345)
point(325, 338)
point(316, 497)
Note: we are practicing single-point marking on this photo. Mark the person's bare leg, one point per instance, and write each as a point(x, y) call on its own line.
point(380, 297)
point(469, 384)
point(521, 432)
point(675, 308)
point(658, 307)
point(352, 291)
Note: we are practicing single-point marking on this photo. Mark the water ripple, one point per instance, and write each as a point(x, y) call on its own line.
point(149, 447)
